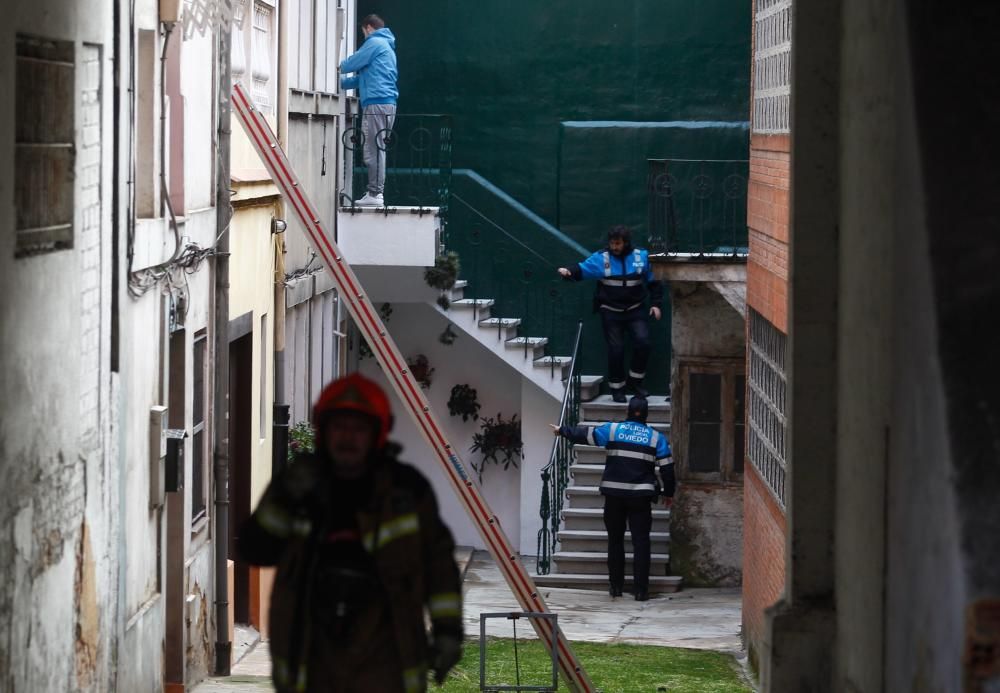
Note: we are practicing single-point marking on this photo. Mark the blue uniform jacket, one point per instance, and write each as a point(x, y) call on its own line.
point(375, 65)
point(638, 462)
point(623, 282)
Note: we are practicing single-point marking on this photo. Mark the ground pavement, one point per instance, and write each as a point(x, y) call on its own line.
point(707, 619)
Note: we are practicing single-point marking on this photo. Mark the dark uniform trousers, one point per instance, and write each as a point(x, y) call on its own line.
point(636, 322)
point(638, 513)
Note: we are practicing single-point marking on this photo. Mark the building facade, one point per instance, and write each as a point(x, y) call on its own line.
point(764, 531)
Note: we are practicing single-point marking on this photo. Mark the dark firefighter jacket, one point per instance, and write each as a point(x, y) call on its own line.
point(637, 455)
point(623, 283)
point(386, 536)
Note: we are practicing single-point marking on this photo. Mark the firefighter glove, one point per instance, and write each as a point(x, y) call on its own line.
point(445, 653)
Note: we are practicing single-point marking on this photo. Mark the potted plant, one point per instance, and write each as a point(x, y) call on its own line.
point(301, 440)
point(464, 402)
point(421, 369)
point(499, 442)
point(443, 275)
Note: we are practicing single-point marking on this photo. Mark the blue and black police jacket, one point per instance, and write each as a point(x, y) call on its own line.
point(637, 455)
point(623, 282)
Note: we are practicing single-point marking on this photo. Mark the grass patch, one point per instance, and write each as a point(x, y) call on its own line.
point(612, 668)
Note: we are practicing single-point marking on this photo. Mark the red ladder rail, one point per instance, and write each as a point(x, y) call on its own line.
point(394, 366)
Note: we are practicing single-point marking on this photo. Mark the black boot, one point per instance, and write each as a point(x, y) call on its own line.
point(618, 395)
point(634, 385)
point(615, 591)
point(641, 595)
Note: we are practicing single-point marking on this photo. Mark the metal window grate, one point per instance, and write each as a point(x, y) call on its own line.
point(772, 66)
point(766, 437)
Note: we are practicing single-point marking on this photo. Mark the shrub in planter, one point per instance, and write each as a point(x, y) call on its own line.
point(499, 442)
point(301, 440)
point(421, 369)
point(444, 273)
point(464, 402)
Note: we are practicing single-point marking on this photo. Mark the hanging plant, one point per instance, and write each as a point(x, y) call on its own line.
point(443, 275)
point(444, 301)
point(499, 442)
point(448, 337)
point(464, 402)
point(301, 440)
point(421, 369)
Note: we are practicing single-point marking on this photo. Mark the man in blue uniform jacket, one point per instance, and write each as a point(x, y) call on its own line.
point(625, 280)
point(375, 79)
point(637, 468)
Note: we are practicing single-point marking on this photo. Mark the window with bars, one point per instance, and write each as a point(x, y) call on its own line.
point(709, 444)
point(766, 443)
point(199, 440)
point(772, 66)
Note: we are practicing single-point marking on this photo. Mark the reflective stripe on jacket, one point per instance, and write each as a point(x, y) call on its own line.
point(638, 461)
point(623, 282)
point(413, 553)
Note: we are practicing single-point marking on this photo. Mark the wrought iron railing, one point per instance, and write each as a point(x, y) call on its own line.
point(697, 206)
point(505, 262)
point(414, 156)
point(555, 474)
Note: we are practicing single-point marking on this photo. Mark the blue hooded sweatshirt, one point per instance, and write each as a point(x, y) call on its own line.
point(375, 65)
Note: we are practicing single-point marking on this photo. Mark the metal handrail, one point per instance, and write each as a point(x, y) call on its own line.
point(555, 474)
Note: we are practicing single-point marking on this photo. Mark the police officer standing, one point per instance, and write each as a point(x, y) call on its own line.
point(625, 280)
point(362, 557)
point(637, 468)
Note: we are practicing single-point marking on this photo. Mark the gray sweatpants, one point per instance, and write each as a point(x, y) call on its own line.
point(378, 121)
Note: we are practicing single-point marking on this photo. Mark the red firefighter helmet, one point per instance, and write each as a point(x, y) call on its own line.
point(355, 393)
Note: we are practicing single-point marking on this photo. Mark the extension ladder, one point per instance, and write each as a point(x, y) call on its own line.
point(409, 393)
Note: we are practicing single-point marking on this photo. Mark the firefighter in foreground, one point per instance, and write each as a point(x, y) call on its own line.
point(361, 552)
point(638, 467)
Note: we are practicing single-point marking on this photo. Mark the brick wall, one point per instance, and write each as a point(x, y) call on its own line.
point(767, 219)
point(763, 556)
point(767, 293)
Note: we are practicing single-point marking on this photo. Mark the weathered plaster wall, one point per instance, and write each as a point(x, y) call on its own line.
point(57, 558)
point(706, 535)
point(706, 526)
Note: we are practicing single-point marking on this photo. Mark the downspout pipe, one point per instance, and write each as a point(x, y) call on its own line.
point(220, 423)
point(279, 440)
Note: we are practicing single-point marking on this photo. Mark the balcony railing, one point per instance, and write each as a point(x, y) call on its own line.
point(697, 206)
point(415, 156)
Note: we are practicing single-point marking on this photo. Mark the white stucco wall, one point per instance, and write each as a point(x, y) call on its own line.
point(416, 328)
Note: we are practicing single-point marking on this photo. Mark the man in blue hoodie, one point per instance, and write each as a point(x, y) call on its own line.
point(375, 77)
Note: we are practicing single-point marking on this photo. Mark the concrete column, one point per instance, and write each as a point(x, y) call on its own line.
point(798, 648)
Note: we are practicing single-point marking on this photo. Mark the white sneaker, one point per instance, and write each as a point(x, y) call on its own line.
point(370, 200)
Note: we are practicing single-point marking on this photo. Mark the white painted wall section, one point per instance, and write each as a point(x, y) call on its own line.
point(403, 237)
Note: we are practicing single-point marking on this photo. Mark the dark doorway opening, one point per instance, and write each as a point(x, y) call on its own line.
point(240, 455)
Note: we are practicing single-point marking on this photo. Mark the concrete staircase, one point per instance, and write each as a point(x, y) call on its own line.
point(580, 559)
point(526, 354)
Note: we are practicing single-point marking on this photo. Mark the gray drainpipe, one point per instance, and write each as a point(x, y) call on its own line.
point(223, 645)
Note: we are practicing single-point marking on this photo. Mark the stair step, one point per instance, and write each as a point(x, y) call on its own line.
point(587, 474)
point(597, 541)
point(590, 455)
point(494, 322)
point(533, 342)
point(558, 364)
point(481, 303)
point(604, 408)
point(593, 519)
point(597, 562)
point(658, 584)
point(585, 497)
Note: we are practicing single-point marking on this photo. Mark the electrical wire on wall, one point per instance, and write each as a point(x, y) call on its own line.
point(171, 276)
